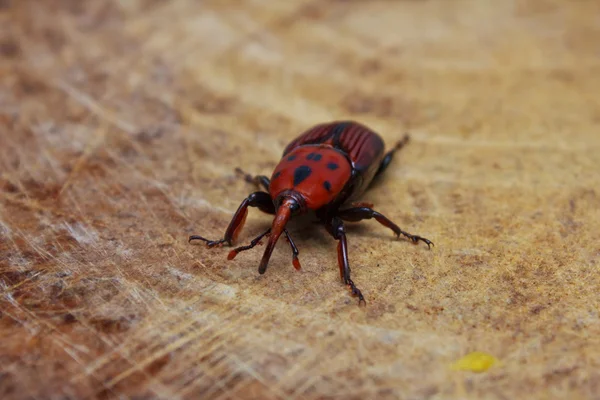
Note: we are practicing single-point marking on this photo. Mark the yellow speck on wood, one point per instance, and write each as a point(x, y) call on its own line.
point(476, 361)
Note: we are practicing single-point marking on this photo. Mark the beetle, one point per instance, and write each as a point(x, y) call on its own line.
point(323, 171)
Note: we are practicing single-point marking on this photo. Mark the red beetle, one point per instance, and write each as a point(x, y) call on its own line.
point(321, 171)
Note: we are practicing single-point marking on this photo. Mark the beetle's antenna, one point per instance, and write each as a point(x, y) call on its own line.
point(295, 260)
point(253, 243)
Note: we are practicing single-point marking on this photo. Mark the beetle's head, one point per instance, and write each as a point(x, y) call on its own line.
point(288, 204)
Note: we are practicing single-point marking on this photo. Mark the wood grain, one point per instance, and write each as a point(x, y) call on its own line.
point(121, 124)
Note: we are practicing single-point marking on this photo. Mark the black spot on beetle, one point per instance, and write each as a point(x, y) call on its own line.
point(314, 156)
point(301, 173)
point(332, 166)
point(327, 186)
point(292, 157)
point(276, 175)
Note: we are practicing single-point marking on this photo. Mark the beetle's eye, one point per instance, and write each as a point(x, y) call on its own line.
point(294, 207)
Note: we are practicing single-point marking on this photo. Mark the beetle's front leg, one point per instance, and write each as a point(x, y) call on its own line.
point(336, 229)
point(261, 200)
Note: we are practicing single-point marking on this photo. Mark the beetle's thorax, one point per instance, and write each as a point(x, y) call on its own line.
point(315, 173)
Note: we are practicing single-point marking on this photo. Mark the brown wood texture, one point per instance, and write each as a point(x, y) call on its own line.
point(121, 124)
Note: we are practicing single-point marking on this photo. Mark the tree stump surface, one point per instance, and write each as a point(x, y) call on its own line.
point(121, 124)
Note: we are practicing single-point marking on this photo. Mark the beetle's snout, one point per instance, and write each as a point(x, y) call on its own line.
point(284, 213)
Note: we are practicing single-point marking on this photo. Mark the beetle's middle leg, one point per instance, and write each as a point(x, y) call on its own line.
point(359, 213)
point(261, 200)
point(336, 229)
point(259, 180)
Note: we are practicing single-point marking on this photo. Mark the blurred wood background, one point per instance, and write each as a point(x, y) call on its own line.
point(121, 123)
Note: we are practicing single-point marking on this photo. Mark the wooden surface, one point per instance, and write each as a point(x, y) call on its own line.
point(121, 124)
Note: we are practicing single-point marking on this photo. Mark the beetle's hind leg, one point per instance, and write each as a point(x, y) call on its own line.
point(336, 229)
point(261, 200)
point(258, 180)
point(387, 159)
point(359, 213)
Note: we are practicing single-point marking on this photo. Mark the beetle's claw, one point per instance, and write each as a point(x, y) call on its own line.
point(428, 242)
point(356, 292)
point(415, 239)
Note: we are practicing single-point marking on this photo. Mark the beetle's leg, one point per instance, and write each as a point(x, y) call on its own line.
point(360, 213)
point(390, 155)
point(259, 180)
point(261, 200)
point(336, 229)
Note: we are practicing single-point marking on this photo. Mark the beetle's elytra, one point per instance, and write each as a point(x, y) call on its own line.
point(323, 170)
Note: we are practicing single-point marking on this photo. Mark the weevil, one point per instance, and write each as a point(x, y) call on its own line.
point(322, 171)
